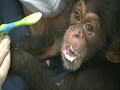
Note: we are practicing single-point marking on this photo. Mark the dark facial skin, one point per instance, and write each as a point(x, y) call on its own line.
point(83, 37)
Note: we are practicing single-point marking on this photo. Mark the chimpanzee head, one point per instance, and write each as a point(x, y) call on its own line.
point(88, 32)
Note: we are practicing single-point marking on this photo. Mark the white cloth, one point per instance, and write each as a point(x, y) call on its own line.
point(48, 8)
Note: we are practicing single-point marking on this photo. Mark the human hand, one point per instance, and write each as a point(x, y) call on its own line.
point(4, 58)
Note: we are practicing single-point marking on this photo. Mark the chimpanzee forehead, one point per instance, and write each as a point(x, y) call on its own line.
point(85, 6)
point(85, 10)
point(81, 6)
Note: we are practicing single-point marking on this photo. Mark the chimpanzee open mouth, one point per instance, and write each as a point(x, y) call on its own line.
point(69, 52)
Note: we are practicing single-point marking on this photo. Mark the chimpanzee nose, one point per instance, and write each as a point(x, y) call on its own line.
point(77, 34)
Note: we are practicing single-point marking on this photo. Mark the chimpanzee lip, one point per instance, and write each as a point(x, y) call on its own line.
point(69, 53)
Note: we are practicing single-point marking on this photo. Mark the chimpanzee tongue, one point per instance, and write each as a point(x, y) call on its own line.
point(69, 55)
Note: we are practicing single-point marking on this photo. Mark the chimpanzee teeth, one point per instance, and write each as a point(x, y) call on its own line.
point(71, 48)
point(75, 52)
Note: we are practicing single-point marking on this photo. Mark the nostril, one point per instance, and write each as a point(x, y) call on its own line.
point(77, 34)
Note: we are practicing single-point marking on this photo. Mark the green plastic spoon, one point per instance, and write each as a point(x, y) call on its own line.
point(28, 20)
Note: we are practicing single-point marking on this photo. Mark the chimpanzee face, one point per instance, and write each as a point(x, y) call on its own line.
point(83, 37)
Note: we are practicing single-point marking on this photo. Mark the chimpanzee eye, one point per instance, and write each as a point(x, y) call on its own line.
point(77, 15)
point(89, 27)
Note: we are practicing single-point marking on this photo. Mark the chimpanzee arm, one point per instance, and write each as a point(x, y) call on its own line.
point(28, 68)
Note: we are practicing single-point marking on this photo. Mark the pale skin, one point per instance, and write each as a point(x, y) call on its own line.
point(4, 58)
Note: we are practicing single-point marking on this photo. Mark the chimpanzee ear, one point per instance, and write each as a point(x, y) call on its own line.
point(113, 52)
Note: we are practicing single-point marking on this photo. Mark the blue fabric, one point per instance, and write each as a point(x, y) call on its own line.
point(10, 11)
point(57, 69)
point(14, 83)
